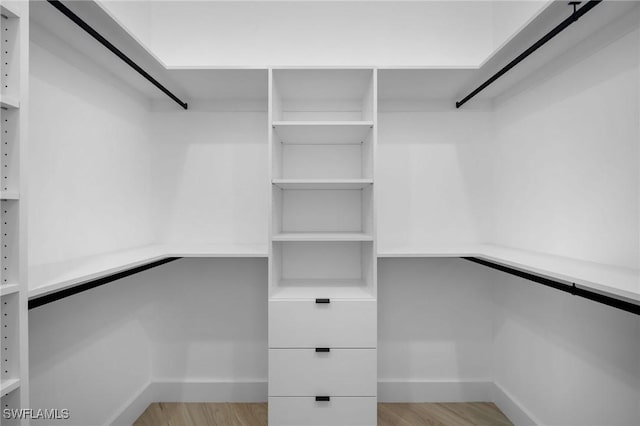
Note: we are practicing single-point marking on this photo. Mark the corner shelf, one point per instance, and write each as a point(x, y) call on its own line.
point(9, 386)
point(322, 236)
point(322, 183)
point(617, 282)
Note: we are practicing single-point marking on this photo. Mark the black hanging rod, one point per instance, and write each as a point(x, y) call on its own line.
point(106, 43)
point(88, 285)
point(577, 13)
point(567, 287)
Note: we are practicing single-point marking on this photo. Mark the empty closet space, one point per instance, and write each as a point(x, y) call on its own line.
point(310, 218)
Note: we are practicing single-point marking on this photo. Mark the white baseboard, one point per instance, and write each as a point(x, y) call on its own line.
point(169, 391)
point(388, 391)
point(434, 391)
point(134, 407)
point(512, 408)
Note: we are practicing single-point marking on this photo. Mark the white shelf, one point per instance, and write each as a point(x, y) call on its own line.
point(322, 132)
point(55, 277)
point(319, 288)
point(9, 195)
point(9, 102)
point(322, 183)
point(50, 278)
point(7, 289)
point(217, 251)
point(618, 282)
point(9, 386)
point(322, 236)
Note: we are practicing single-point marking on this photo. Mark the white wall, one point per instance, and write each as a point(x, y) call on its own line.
point(211, 169)
point(188, 33)
point(210, 322)
point(565, 155)
point(90, 353)
point(90, 181)
point(565, 359)
point(435, 321)
point(429, 178)
point(193, 321)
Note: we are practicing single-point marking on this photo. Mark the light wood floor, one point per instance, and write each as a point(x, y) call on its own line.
point(222, 414)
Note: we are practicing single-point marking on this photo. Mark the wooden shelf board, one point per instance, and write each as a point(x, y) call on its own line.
point(322, 132)
point(9, 385)
point(7, 289)
point(312, 289)
point(9, 195)
point(618, 282)
point(9, 102)
point(322, 183)
point(322, 236)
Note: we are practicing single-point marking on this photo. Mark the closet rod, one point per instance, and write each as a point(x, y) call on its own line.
point(88, 285)
point(551, 34)
point(93, 33)
point(560, 285)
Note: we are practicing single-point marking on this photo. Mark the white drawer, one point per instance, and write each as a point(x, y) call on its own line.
point(345, 411)
point(339, 372)
point(307, 324)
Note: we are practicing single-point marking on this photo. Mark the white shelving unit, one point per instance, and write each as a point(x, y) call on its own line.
point(14, 56)
point(322, 255)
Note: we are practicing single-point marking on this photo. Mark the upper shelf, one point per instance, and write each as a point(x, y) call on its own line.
point(617, 282)
point(322, 183)
point(322, 132)
point(50, 278)
point(604, 23)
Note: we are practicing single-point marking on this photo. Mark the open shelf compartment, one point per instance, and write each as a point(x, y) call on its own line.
point(346, 212)
point(322, 151)
point(322, 95)
point(309, 270)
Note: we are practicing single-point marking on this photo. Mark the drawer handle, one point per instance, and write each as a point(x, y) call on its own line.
point(323, 398)
point(323, 300)
point(323, 350)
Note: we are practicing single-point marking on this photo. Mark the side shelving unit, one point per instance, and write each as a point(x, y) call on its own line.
point(322, 257)
point(14, 42)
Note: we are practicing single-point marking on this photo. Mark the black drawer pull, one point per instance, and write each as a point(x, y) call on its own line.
point(323, 350)
point(323, 300)
point(323, 398)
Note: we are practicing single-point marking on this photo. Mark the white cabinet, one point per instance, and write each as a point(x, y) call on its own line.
point(308, 324)
point(322, 261)
point(297, 411)
point(323, 371)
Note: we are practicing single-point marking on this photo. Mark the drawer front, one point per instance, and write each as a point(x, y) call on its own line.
point(306, 324)
point(339, 372)
point(297, 411)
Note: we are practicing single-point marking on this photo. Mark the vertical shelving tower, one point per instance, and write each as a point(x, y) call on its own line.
point(322, 257)
point(14, 56)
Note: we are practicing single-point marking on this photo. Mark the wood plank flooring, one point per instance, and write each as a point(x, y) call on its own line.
point(227, 414)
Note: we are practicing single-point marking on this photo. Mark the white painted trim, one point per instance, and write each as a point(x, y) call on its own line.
point(133, 408)
point(388, 391)
point(434, 391)
point(175, 391)
point(512, 408)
